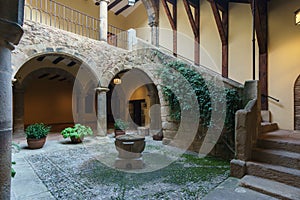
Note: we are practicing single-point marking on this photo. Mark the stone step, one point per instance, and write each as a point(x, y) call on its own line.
point(270, 187)
point(277, 157)
point(275, 172)
point(279, 144)
point(268, 127)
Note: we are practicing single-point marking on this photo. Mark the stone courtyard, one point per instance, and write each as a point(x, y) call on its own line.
point(67, 171)
point(61, 170)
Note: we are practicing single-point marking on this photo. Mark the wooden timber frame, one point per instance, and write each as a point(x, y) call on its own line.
point(261, 27)
point(195, 23)
point(172, 19)
point(220, 11)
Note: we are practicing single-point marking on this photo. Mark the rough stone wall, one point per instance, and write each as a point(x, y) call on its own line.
point(105, 61)
point(170, 127)
point(40, 39)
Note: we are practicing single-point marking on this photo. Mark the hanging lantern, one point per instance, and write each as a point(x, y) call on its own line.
point(117, 81)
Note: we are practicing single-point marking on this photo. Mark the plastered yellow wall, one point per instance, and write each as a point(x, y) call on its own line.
point(284, 44)
point(48, 101)
point(77, 16)
point(284, 49)
point(138, 20)
point(117, 20)
point(284, 60)
point(240, 43)
point(85, 6)
point(210, 43)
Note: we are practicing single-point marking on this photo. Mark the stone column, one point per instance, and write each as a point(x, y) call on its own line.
point(103, 19)
point(18, 109)
point(102, 112)
point(154, 33)
point(5, 120)
point(132, 40)
point(10, 34)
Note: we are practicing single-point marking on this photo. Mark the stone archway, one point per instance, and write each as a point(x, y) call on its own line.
point(297, 104)
point(62, 82)
point(137, 99)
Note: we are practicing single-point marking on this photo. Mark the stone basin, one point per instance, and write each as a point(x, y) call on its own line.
point(130, 148)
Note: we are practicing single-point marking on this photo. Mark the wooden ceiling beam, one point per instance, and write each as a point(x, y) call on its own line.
point(194, 3)
point(113, 4)
point(172, 20)
point(222, 23)
point(261, 20)
point(221, 4)
point(124, 8)
point(194, 22)
point(240, 1)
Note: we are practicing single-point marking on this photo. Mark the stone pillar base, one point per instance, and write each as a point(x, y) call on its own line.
point(237, 168)
point(5, 163)
point(129, 164)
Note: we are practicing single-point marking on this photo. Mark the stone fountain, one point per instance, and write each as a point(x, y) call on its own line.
point(130, 148)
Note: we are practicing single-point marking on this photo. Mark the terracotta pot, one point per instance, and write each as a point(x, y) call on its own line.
point(75, 140)
point(157, 137)
point(119, 132)
point(36, 143)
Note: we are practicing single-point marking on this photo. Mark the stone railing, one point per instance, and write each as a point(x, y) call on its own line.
point(60, 16)
point(247, 128)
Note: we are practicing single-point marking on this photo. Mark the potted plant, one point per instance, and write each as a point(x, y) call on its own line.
point(77, 133)
point(158, 136)
point(120, 127)
point(36, 135)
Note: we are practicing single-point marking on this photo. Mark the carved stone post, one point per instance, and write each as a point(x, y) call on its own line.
point(154, 33)
point(102, 112)
point(10, 34)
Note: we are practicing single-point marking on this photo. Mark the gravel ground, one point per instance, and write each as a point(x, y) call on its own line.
point(87, 172)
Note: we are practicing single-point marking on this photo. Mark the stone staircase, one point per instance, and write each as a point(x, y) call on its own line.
point(275, 166)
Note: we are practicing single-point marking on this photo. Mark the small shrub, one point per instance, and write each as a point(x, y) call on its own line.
point(77, 131)
point(37, 131)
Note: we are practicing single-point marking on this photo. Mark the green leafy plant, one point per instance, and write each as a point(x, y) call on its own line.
point(205, 91)
point(120, 125)
point(77, 131)
point(15, 149)
point(37, 131)
point(201, 89)
point(13, 171)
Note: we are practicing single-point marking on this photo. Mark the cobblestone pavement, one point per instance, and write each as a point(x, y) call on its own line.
point(61, 170)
